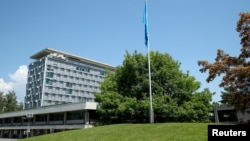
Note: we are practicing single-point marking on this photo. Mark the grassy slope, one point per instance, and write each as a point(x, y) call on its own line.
point(132, 132)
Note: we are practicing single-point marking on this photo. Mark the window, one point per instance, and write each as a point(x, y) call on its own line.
point(56, 117)
point(75, 115)
point(68, 84)
point(68, 91)
point(49, 82)
point(49, 68)
point(50, 74)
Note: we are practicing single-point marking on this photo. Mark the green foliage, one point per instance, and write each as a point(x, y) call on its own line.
point(124, 93)
point(8, 102)
point(198, 108)
point(2, 102)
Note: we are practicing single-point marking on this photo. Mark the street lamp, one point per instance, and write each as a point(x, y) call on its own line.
point(28, 116)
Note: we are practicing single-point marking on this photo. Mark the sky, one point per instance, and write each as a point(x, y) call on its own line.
point(104, 30)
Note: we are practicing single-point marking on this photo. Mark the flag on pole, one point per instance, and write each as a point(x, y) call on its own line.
point(145, 21)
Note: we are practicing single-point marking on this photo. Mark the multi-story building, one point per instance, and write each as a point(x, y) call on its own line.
point(57, 77)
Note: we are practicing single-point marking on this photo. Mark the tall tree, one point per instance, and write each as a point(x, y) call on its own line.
point(124, 94)
point(10, 102)
point(235, 70)
point(2, 106)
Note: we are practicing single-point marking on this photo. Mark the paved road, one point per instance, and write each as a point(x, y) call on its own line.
point(5, 139)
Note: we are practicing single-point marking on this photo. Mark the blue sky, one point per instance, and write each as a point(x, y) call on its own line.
point(103, 30)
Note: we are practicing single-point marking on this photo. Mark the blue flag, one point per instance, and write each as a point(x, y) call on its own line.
point(145, 21)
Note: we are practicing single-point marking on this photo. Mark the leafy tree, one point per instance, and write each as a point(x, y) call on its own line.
point(8, 102)
point(196, 109)
point(124, 93)
point(236, 70)
point(19, 106)
point(2, 106)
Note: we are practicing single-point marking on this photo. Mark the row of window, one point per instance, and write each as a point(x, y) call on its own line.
point(72, 74)
point(73, 65)
point(72, 79)
point(80, 85)
point(54, 96)
point(56, 102)
point(80, 91)
point(37, 63)
point(34, 97)
point(33, 90)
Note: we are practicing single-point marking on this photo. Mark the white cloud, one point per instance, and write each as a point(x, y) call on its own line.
point(4, 87)
point(20, 75)
point(17, 83)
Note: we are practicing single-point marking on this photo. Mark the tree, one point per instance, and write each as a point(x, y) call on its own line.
point(236, 70)
point(2, 106)
point(124, 93)
point(8, 102)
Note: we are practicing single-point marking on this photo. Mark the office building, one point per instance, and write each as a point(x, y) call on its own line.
point(57, 77)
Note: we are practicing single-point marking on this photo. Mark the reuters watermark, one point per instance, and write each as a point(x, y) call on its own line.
point(238, 132)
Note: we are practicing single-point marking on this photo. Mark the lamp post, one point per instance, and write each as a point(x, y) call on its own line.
point(28, 116)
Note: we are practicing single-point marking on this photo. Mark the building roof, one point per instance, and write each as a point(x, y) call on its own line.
point(48, 51)
point(52, 109)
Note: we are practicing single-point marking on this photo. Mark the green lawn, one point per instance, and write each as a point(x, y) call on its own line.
point(132, 132)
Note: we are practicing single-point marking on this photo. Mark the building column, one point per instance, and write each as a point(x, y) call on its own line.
point(31, 132)
point(64, 118)
point(21, 133)
point(51, 130)
point(86, 117)
point(216, 117)
point(34, 120)
point(10, 133)
point(45, 131)
point(15, 133)
point(48, 119)
point(1, 133)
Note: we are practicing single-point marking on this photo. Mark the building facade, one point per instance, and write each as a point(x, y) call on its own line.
point(57, 77)
point(45, 120)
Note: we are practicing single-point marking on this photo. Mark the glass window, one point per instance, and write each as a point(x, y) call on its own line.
point(49, 82)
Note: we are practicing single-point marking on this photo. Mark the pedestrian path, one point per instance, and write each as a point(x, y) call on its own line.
point(6, 139)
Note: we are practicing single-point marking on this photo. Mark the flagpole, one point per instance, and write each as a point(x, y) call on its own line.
point(150, 88)
point(145, 20)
